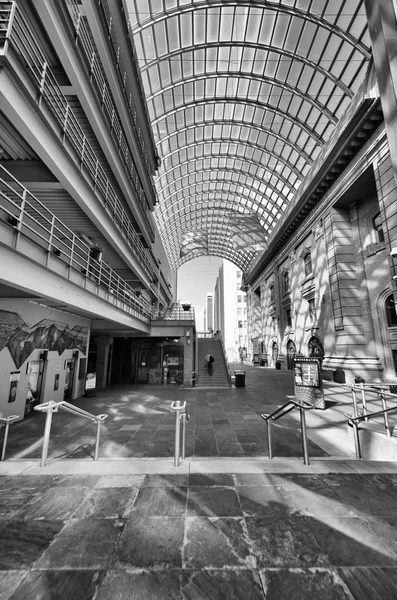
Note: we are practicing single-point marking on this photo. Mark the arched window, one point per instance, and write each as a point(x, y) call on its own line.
point(391, 314)
point(315, 348)
point(378, 227)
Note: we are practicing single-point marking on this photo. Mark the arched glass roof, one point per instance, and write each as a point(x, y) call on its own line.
point(242, 95)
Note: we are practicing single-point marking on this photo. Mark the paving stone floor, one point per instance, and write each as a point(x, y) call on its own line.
point(228, 524)
point(217, 536)
point(223, 422)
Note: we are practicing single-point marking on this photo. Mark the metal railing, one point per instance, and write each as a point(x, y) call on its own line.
point(378, 391)
point(174, 313)
point(52, 407)
point(22, 39)
point(284, 410)
point(181, 414)
point(219, 336)
point(205, 334)
point(102, 89)
point(353, 421)
point(31, 219)
point(7, 422)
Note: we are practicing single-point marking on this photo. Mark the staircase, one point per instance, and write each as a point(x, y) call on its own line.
point(220, 376)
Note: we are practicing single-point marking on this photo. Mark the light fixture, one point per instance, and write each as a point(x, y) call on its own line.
point(86, 238)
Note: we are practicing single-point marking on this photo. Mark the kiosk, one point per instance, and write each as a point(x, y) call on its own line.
point(308, 382)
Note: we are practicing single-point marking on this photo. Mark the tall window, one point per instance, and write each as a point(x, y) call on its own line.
point(240, 324)
point(378, 227)
point(289, 317)
point(238, 274)
point(272, 293)
point(312, 309)
point(286, 281)
point(238, 298)
point(307, 259)
point(391, 314)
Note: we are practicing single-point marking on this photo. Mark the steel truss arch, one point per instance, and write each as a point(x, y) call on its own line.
point(277, 7)
point(221, 185)
point(239, 75)
point(285, 141)
point(281, 113)
point(282, 160)
point(163, 186)
point(251, 188)
point(254, 46)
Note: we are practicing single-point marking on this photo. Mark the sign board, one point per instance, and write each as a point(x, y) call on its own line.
point(90, 381)
point(307, 372)
point(173, 360)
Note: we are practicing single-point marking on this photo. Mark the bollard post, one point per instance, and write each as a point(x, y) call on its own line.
point(269, 438)
point(183, 417)
point(304, 437)
point(98, 436)
point(8, 421)
point(177, 433)
point(47, 431)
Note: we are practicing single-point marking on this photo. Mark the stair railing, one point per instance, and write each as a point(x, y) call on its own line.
point(284, 410)
point(353, 421)
point(229, 373)
point(7, 422)
point(52, 407)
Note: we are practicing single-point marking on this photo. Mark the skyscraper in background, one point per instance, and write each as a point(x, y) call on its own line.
point(209, 311)
point(230, 309)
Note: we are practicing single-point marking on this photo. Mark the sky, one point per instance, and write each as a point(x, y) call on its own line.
point(195, 279)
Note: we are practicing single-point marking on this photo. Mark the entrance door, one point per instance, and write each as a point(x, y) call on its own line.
point(69, 379)
point(35, 377)
point(291, 351)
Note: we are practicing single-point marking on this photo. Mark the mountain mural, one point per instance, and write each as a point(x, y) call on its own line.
point(21, 339)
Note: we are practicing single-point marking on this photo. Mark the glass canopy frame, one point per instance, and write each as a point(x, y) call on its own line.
point(242, 96)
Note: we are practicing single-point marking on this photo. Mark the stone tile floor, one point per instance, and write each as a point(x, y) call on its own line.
point(198, 536)
point(228, 524)
point(223, 422)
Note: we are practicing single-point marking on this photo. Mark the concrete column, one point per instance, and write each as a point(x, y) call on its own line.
point(102, 342)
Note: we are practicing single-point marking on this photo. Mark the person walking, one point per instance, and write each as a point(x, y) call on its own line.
point(209, 360)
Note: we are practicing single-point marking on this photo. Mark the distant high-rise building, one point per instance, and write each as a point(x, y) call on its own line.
point(209, 309)
point(230, 309)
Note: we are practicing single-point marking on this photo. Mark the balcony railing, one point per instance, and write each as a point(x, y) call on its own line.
point(94, 69)
point(22, 39)
point(20, 209)
point(174, 313)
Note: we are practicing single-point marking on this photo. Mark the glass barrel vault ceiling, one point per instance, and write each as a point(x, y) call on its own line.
point(242, 96)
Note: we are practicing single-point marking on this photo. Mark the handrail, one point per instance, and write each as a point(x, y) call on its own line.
point(7, 422)
point(226, 359)
point(22, 38)
point(51, 407)
point(284, 410)
point(379, 388)
point(181, 414)
point(32, 219)
point(354, 420)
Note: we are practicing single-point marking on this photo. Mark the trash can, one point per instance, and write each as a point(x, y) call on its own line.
point(239, 378)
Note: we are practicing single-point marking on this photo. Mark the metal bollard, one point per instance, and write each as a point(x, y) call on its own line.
point(304, 437)
point(8, 421)
point(47, 431)
point(178, 407)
